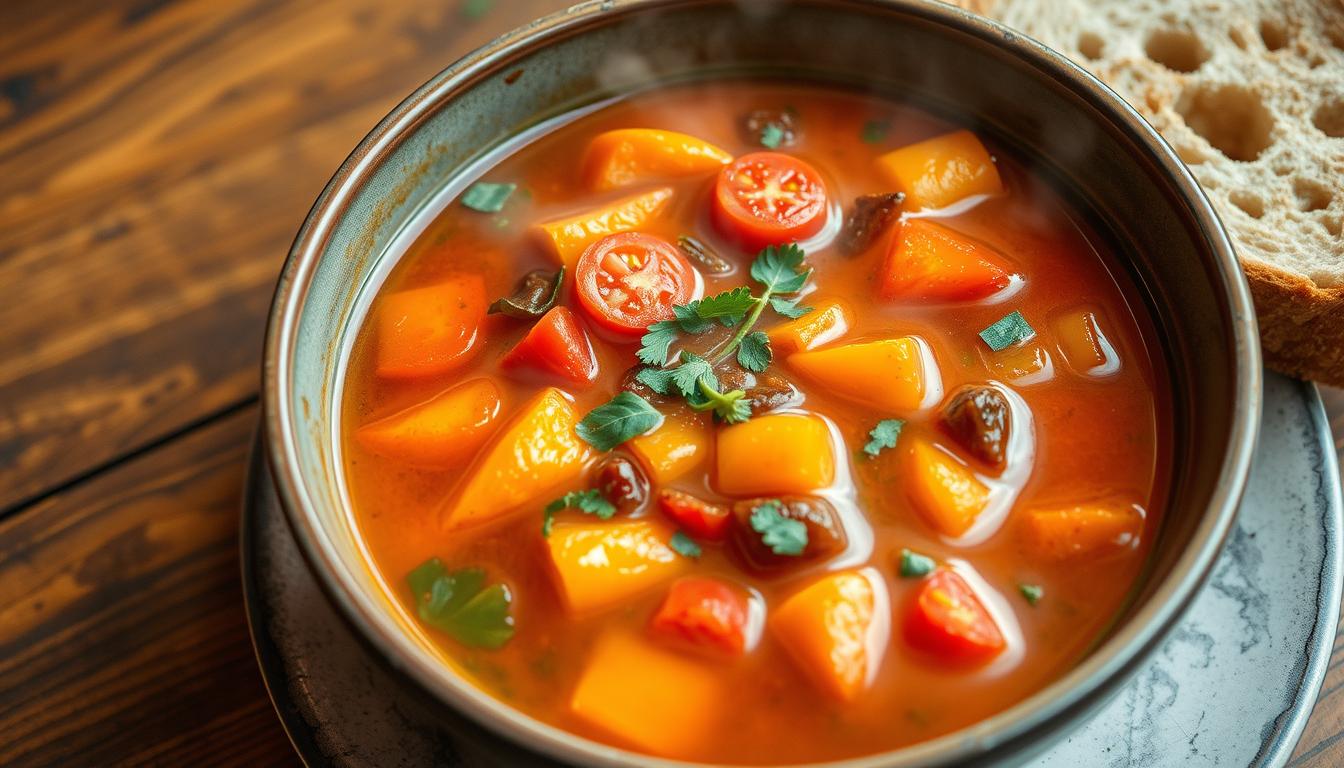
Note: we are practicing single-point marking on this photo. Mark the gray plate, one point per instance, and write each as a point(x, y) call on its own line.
point(1233, 685)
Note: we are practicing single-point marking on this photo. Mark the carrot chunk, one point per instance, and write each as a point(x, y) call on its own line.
point(827, 322)
point(1089, 529)
point(625, 156)
point(937, 172)
point(536, 454)
point(836, 629)
point(705, 613)
point(944, 491)
point(567, 239)
point(1083, 342)
point(597, 565)
point(444, 431)
point(776, 453)
point(890, 374)
point(557, 346)
point(651, 698)
point(431, 330)
point(930, 262)
point(679, 446)
point(949, 621)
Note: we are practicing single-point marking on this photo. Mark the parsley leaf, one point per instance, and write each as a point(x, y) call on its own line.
point(684, 545)
point(784, 536)
point(883, 436)
point(915, 565)
point(657, 342)
point(460, 604)
point(788, 307)
point(771, 136)
point(486, 197)
point(777, 268)
point(1032, 592)
point(728, 307)
point(624, 416)
point(1007, 331)
point(754, 353)
point(693, 368)
point(590, 502)
point(657, 379)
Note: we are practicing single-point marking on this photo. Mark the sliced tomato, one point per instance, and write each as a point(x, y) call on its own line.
point(769, 198)
point(932, 262)
point(705, 612)
point(628, 281)
point(700, 518)
point(556, 345)
point(948, 620)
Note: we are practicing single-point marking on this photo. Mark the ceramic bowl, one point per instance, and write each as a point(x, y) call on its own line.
point(1075, 132)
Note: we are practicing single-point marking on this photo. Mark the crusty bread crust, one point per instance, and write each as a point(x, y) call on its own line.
point(1301, 325)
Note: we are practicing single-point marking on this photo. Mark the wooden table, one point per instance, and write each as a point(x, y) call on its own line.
point(156, 158)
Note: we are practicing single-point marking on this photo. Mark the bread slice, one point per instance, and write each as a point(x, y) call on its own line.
point(1250, 93)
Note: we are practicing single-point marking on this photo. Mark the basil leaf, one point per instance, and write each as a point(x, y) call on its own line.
point(460, 605)
point(625, 416)
point(534, 296)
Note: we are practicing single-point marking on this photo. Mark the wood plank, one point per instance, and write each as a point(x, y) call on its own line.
point(122, 634)
point(156, 159)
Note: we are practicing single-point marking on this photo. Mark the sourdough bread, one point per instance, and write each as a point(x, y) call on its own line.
point(1250, 93)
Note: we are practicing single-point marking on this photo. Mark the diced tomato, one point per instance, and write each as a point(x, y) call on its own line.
point(705, 612)
point(432, 330)
point(628, 281)
point(769, 198)
point(948, 620)
point(558, 346)
point(700, 518)
point(931, 262)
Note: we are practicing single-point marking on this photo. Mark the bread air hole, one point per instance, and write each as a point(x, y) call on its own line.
point(1273, 33)
point(1250, 204)
point(1311, 195)
point(1091, 45)
point(1329, 117)
point(1231, 118)
point(1176, 49)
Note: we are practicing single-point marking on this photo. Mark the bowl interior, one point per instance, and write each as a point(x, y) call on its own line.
point(1108, 163)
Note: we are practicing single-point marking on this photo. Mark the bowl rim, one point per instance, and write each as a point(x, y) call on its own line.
point(1014, 729)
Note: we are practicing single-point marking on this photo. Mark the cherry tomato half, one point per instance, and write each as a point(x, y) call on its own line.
point(769, 198)
point(948, 620)
point(628, 281)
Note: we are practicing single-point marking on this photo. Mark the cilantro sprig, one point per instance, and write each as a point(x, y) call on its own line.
point(783, 535)
point(460, 604)
point(590, 502)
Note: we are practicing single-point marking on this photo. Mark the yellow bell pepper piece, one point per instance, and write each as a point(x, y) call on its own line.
point(828, 321)
point(625, 156)
point(889, 375)
point(567, 239)
point(677, 447)
point(596, 565)
point(836, 630)
point(775, 454)
point(945, 492)
point(938, 172)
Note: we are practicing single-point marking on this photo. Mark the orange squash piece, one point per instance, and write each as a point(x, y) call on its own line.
point(568, 238)
point(679, 446)
point(1089, 529)
point(1083, 343)
point(535, 455)
point(930, 262)
point(598, 565)
point(891, 375)
point(625, 156)
point(828, 321)
point(651, 698)
point(938, 172)
point(944, 491)
point(429, 331)
point(836, 629)
point(775, 454)
point(444, 431)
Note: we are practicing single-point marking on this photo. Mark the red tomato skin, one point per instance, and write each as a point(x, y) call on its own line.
point(556, 346)
point(968, 638)
point(699, 518)
point(705, 612)
point(752, 229)
point(666, 273)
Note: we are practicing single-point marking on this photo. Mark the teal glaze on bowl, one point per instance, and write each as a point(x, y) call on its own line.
point(1077, 134)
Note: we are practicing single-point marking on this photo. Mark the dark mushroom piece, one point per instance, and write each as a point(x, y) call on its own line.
point(766, 391)
point(622, 482)
point(710, 261)
point(869, 217)
point(825, 533)
point(534, 295)
point(979, 417)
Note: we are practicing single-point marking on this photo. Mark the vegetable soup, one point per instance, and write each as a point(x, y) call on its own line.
point(757, 423)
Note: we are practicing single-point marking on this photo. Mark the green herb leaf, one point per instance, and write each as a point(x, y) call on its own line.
point(784, 536)
point(459, 604)
point(915, 565)
point(1007, 331)
point(591, 502)
point(684, 545)
point(729, 407)
point(624, 416)
point(771, 136)
point(535, 295)
point(475, 9)
point(883, 436)
point(486, 197)
point(728, 308)
point(777, 267)
point(1032, 592)
point(754, 353)
point(657, 342)
point(788, 307)
point(657, 379)
point(875, 131)
point(686, 377)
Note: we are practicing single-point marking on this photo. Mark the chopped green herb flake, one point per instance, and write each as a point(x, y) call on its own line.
point(591, 502)
point(625, 416)
point(754, 353)
point(475, 9)
point(460, 604)
point(788, 307)
point(784, 536)
point(883, 436)
point(875, 131)
point(1007, 331)
point(915, 565)
point(771, 136)
point(486, 197)
point(1032, 592)
point(684, 545)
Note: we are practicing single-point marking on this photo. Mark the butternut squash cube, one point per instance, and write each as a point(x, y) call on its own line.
point(625, 156)
point(836, 629)
point(938, 172)
point(890, 375)
point(677, 447)
point(775, 454)
point(536, 454)
point(568, 238)
point(443, 431)
point(1084, 344)
point(597, 565)
point(1088, 529)
point(827, 322)
point(944, 491)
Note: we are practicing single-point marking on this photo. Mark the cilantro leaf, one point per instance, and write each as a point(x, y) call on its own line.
point(657, 379)
point(754, 353)
point(1008, 330)
point(590, 502)
point(461, 605)
point(688, 317)
point(619, 419)
point(686, 377)
point(788, 307)
point(728, 307)
point(915, 565)
point(784, 536)
point(1032, 592)
point(771, 136)
point(684, 545)
point(657, 342)
point(486, 197)
point(777, 268)
point(883, 436)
